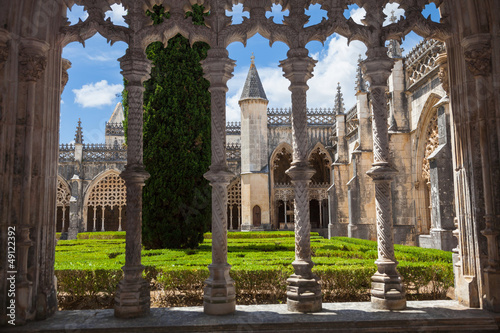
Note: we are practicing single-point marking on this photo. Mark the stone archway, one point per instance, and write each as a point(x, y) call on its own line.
point(256, 216)
point(105, 202)
point(63, 201)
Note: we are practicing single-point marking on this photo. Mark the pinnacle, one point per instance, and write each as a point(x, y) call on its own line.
point(339, 101)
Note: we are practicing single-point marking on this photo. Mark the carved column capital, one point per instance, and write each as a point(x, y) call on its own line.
point(32, 59)
point(136, 67)
point(218, 68)
point(477, 53)
point(298, 68)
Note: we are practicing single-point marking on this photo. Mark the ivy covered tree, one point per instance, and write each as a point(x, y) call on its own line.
point(176, 198)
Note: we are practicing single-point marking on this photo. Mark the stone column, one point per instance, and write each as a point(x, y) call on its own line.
point(478, 58)
point(219, 294)
point(132, 297)
point(303, 291)
point(75, 207)
point(387, 289)
point(32, 64)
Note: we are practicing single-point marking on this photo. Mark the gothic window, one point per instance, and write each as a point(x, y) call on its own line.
point(109, 194)
point(63, 197)
point(234, 205)
point(321, 164)
point(281, 163)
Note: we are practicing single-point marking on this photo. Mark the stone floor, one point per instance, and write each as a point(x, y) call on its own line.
point(422, 316)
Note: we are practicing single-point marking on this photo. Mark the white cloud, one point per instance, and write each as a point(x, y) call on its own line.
point(116, 14)
point(398, 12)
point(62, 102)
point(97, 94)
point(336, 63)
point(358, 14)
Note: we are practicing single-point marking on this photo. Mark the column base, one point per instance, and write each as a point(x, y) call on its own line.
point(387, 291)
point(72, 233)
point(132, 297)
point(219, 293)
point(303, 290)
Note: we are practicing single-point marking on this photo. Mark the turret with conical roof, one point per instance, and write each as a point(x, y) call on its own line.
point(255, 212)
point(253, 88)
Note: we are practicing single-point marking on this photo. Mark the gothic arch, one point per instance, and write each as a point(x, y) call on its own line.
point(234, 204)
point(424, 144)
point(281, 159)
point(62, 202)
point(320, 159)
point(106, 192)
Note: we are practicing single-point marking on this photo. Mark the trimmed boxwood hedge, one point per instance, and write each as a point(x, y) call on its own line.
point(261, 264)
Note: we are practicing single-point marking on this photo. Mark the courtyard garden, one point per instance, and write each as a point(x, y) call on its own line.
point(88, 269)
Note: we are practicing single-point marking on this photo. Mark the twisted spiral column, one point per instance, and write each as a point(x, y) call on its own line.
point(219, 294)
point(132, 298)
point(387, 289)
point(303, 290)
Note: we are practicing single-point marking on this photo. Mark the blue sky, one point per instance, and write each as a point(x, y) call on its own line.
point(95, 82)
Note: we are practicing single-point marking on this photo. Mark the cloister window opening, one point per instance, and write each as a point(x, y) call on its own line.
point(234, 205)
point(63, 202)
point(106, 204)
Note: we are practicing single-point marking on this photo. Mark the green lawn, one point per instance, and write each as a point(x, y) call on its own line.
point(261, 262)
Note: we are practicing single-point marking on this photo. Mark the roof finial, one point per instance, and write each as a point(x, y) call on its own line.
point(393, 17)
point(339, 101)
point(360, 82)
point(252, 59)
point(79, 134)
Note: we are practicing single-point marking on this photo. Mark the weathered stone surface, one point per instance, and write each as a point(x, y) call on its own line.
point(423, 316)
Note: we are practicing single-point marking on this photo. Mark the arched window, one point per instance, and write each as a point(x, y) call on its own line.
point(63, 197)
point(107, 194)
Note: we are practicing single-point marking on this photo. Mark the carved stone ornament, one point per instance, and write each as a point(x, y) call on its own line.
point(479, 61)
point(4, 53)
point(66, 64)
point(32, 67)
point(442, 62)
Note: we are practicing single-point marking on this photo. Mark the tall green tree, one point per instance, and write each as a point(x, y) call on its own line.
point(176, 198)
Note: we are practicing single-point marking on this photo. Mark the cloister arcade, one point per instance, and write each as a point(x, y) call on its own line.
point(33, 33)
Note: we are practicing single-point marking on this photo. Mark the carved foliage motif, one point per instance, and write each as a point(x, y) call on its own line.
point(479, 61)
point(431, 144)
point(32, 66)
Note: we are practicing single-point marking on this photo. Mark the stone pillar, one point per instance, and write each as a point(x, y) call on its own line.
point(477, 53)
point(353, 199)
point(442, 193)
point(132, 297)
point(75, 207)
point(32, 64)
point(303, 291)
point(387, 289)
point(219, 294)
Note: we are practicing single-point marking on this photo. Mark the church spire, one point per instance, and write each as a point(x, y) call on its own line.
point(253, 88)
point(79, 133)
point(339, 101)
point(360, 82)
